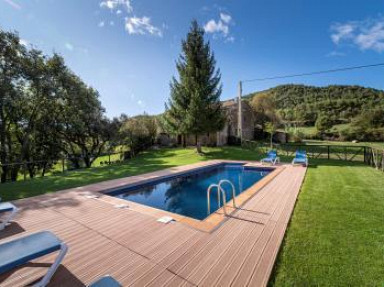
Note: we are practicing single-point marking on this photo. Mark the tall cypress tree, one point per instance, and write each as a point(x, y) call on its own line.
point(194, 105)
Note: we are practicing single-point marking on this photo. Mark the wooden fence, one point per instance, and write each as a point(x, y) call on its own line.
point(365, 154)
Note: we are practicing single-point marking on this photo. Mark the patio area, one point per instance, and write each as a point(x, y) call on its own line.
point(139, 251)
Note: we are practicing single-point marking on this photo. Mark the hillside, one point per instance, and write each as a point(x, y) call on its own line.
point(341, 103)
point(358, 109)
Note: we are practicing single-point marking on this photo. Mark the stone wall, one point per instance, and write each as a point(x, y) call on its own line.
point(220, 138)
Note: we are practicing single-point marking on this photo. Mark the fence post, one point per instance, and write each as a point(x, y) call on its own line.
point(345, 153)
point(25, 171)
point(63, 164)
point(109, 158)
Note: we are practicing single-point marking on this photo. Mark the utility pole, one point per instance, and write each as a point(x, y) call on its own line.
point(240, 115)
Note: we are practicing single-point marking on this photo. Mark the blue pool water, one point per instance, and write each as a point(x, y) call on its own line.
point(186, 194)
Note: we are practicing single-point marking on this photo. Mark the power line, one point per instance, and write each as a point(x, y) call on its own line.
point(314, 73)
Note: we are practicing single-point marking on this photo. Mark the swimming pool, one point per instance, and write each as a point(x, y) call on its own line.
point(186, 194)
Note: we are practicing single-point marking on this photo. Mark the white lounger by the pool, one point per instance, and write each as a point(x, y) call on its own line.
point(24, 249)
point(7, 207)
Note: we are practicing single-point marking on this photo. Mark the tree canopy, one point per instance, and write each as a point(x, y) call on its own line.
point(46, 111)
point(194, 105)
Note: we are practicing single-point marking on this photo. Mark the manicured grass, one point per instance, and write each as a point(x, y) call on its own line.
point(146, 162)
point(336, 235)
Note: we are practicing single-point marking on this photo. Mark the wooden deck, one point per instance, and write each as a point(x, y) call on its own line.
point(139, 251)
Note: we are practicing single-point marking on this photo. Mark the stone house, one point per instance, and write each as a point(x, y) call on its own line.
point(230, 130)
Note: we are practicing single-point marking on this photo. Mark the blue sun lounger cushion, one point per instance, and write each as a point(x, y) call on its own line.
point(7, 207)
point(271, 157)
point(300, 158)
point(22, 250)
point(106, 281)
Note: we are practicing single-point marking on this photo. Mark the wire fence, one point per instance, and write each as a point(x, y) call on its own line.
point(364, 154)
point(33, 169)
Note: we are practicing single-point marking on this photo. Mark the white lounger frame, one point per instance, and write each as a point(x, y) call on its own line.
point(51, 271)
point(306, 162)
point(6, 221)
point(277, 160)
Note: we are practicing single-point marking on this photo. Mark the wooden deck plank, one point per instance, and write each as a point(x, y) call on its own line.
point(139, 251)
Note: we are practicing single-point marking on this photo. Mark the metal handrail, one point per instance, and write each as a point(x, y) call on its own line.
point(233, 189)
point(219, 189)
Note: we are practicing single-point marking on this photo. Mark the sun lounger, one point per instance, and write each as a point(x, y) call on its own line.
point(300, 158)
point(22, 250)
point(106, 281)
point(271, 158)
point(10, 209)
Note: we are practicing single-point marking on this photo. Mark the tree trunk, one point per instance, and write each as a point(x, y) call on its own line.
point(14, 172)
point(44, 169)
point(87, 161)
point(31, 170)
point(4, 173)
point(3, 150)
point(198, 145)
point(75, 161)
point(184, 140)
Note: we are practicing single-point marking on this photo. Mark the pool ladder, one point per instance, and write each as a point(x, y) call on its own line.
point(220, 192)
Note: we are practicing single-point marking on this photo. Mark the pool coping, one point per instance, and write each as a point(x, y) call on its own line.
point(210, 223)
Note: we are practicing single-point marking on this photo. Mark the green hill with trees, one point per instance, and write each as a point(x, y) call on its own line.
point(359, 110)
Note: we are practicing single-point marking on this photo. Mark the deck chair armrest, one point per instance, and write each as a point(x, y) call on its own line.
point(51, 271)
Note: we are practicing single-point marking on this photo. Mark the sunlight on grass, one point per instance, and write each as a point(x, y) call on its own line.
point(336, 234)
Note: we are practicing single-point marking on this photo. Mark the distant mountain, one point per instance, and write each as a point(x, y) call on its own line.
point(340, 103)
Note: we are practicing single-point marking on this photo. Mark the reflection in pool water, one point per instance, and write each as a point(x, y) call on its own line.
point(187, 194)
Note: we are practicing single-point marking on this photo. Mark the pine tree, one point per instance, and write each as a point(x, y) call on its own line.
point(194, 105)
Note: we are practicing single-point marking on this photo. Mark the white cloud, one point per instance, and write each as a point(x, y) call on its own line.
point(69, 46)
point(141, 103)
point(24, 42)
point(335, 54)
point(84, 50)
point(118, 12)
point(366, 35)
point(141, 26)
point(216, 27)
point(226, 18)
point(342, 32)
point(111, 23)
point(116, 4)
point(220, 27)
point(13, 4)
point(101, 24)
point(73, 48)
point(230, 39)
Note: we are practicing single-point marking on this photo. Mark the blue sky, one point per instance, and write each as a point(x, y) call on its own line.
point(127, 49)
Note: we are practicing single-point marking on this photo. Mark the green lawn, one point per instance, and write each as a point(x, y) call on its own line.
point(336, 235)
